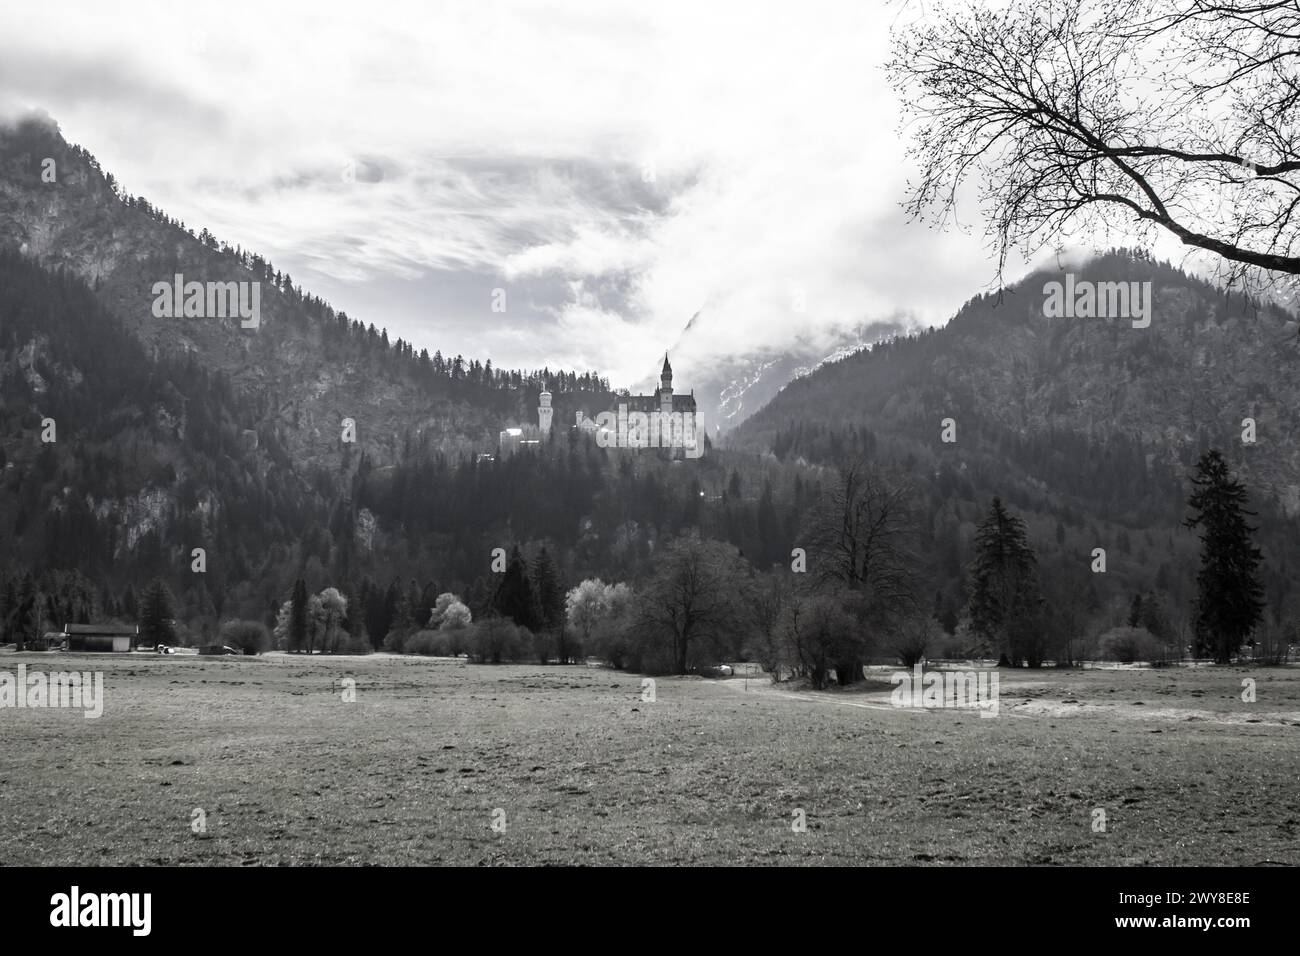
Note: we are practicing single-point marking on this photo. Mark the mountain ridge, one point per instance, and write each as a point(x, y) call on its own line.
point(315, 366)
point(1207, 362)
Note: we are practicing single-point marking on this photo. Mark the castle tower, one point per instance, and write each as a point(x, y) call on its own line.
point(544, 413)
point(666, 436)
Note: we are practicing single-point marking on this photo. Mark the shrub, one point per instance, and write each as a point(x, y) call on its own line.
point(612, 636)
point(251, 637)
point(430, 643)
point(543, 647)
point(574, 648)
point(496, 639)
point(1129, 644)
point(182, 636)
point(1273, 642)
point(356, 644)
point(396, 640)
point(914, 637)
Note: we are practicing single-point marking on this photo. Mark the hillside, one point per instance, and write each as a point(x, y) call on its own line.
point(179, 432)
point(309, 366)
point(1088, 427)
point(731, 389)
point(1005, 373)
point(183, 432)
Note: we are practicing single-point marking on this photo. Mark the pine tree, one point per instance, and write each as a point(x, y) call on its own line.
point(8, 607)
point(298, 616)
point(1135, 611)
point(399, 610)
point(26, 615)
point(550, 599)
point(516, 598)
point(1229, 601)
point(156, 615)
point(356, 623)
point(1004, 602)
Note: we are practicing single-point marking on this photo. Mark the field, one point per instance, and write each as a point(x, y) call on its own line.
point(575, 767)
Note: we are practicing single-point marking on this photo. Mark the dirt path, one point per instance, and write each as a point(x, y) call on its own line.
point(1017, 705)
point(866, 700)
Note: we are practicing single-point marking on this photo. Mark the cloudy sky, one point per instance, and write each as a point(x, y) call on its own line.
point(615, 167)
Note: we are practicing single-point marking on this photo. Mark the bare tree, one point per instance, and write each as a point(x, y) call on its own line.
point(820, 634)
point(1082, 116)
point(693, 599)
point(768, 596)
point(863, 537)
point(914, 637)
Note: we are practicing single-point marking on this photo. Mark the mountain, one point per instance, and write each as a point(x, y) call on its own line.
point(729, 390)
point(127, 439)
point(310, 366)
point(1087, 427)
point(108, 450)
point(182, 432)
point(1003, 371)
point(130, 437)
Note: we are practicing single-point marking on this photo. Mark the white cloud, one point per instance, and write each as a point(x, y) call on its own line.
point(506, 143)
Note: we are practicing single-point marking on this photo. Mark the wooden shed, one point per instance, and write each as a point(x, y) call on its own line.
point(107, 638)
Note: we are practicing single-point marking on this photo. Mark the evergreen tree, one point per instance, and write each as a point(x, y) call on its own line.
point(399, 610)
point(516, 597)
point(1154, 618)
point(355, 623)
point(157, 613)
point(550, 600)
point(298, 616)
point(25, 618)
point(8, 607)
point(1229, 601)
point(1135, 611)
point(1004, 602)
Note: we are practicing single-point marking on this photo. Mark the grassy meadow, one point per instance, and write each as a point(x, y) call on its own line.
point(574, 767)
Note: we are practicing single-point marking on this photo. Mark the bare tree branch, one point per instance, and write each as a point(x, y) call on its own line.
point(1079, 117)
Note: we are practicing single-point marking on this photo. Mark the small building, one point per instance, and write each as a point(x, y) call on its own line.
point(107, 638)
point(514, 438)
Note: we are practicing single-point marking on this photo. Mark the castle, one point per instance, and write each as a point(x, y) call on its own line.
point(661, 419)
